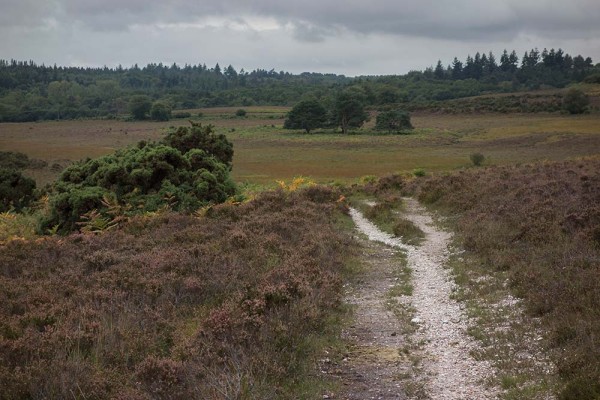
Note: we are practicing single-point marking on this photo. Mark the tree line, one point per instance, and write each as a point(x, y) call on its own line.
point(551, 67)
point(30, 92)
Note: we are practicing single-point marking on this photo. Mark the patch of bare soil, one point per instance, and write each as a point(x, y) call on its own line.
point(375, 365)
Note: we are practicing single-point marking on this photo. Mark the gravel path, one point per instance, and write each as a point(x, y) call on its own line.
point(452, 372)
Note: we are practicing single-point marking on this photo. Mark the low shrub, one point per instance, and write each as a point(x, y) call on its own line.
point(176, 306)
point(477, 159)
point(16, 190)
point(539, 223)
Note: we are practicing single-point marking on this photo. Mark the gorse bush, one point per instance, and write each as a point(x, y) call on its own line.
point(188, 169)
point(16, 190)
point(13, 160)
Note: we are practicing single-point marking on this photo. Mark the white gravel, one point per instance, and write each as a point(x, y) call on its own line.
point(454, 374)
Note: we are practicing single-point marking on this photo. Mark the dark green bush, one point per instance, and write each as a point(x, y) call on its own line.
point(575, 101)
point(16, 190)
point(182, 114)
point(160, 111)
point(393, 121)
point(188, 169)
point(197, 136)
point(477, 159)
point(13, 160)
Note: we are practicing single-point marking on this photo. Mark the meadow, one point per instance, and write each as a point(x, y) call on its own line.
point(265, 152)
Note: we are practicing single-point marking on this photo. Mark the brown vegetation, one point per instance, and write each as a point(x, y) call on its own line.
point(541, 224)
point(229, 305)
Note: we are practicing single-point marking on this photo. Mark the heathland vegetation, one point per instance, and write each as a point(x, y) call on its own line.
point(154, 262)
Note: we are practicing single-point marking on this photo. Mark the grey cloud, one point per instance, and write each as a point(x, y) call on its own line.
point(325, 35)
point(315, 20)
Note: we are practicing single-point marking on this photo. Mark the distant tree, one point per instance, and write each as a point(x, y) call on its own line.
point(349, 110)
point(438, 72)
point(575, 101)
point(16, 190)
point(140, 106)
point(491, 65)
point(160, 111)
point(457, 69)
point(240, 113)
point(307, 115)
point(393, 121)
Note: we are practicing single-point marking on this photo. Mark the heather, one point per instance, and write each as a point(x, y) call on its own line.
point(230, 304)
point(540, 224)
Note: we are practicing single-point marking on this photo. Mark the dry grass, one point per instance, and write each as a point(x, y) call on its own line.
point(265, 152)
point(232, 305)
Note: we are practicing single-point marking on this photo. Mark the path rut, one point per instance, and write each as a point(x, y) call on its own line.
point(450, 371)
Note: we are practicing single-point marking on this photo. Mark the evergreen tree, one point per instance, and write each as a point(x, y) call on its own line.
point(439, 70)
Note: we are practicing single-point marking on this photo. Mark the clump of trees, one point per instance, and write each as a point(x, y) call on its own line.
point(347, 110)
point(393, 121)
point(186, 170)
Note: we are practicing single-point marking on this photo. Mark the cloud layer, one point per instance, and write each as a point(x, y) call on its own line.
point(291, 35)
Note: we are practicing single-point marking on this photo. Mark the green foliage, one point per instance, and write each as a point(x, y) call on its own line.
point(16, 190)
point(140, 106)
point(187, 170)
point(13, 160)
point(419, 172)
point(197, 136)
point(307, 115)
point(575, 101)
point(349, 110)
point(183, 114)
point(477, 159)
point(30, 92)
point(160, 111)
point(240, 113)
point(393, 121)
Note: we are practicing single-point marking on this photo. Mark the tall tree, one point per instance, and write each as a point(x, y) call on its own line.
point(491, 65)
point(438, 72)
point(349, 110)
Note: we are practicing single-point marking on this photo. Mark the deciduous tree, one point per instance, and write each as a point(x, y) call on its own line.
point(307, 115)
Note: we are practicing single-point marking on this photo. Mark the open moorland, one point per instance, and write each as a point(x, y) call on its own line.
point(273, 294)
point(265, 152)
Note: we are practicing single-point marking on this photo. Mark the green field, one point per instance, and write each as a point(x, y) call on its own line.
point(265, 152)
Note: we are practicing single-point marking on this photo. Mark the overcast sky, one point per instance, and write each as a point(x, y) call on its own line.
point(352, 37)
